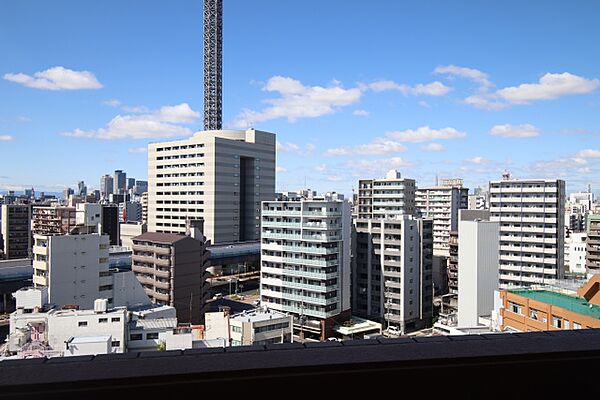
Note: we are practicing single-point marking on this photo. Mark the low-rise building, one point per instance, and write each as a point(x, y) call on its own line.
point(259, 326)
point(550, 308)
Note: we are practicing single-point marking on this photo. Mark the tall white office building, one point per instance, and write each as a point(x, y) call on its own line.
point(221, 176)
point(305, 260)
point(531, 216)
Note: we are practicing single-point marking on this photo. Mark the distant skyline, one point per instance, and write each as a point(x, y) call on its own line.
point(464, 89)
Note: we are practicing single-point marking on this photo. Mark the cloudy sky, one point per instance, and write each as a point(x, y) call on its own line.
point(351, 88)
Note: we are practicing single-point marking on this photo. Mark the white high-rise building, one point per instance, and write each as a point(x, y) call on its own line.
point(305, 260)
point(531, 216)
point(220, 176)
point(478, 259)
point(441, 203)
point(387, 197)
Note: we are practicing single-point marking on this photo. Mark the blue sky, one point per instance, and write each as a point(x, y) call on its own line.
point(352, 88)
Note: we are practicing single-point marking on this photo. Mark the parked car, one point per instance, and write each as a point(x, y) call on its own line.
point(218, 296)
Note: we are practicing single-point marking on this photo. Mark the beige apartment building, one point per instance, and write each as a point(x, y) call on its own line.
point(220, 176)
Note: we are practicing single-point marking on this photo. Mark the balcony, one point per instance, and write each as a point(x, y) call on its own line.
point(266, 212)
point(160, 296)
point(162, 273)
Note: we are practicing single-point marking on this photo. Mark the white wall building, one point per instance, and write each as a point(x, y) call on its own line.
point(305, 259)
point(36, 330)
point(575, 251)
point(531, 216)
point(259, 326)
point(221, 176)
point(75, 270)
point(478, 260)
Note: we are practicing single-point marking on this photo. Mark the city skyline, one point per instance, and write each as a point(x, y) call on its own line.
point(508, 90)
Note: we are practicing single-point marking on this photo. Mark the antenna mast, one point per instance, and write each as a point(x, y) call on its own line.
point(213, 64)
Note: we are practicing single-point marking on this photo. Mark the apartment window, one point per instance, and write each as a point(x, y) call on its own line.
point(152, 335)
point(103, 320)
point(576, 325)
point(557, 322)
point(236, 329)
point(82, 323)
point(115, 343)
point(135, 336)
point(115, 319)
point(533, 314)
point(514, 307)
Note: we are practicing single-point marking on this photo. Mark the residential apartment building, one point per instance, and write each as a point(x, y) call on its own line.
point(305, 260)
point(172, 270)
point(55, 220)
point(387, 197)
point(592, 257)
point(441, 203)
point(477, 202)
point(551, 308)
point(392, 271)
point(16, 230)
point(220, 176)
point(531, 216)
point(144, 201)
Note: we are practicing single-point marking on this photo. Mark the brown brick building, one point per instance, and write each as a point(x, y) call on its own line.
point(172, 269)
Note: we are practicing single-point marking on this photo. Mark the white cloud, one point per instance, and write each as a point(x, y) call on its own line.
point(486, 102)
point(289, 147)
point(515, 131)
point(477, 160)
point(6, 138)
point(334, 178)
point(158, 124)
point(425, 134)
point(361, 113)
point(135, 109)
point(425, 104)
point(361, 166)
point(57, 78)
point(550, 86)
point(138, 150)
point(297, 101)
point(320, 167)
point(22, 118)
point(433, 147)
point(112, 103)
point(379, 146)
point(280, 169)
point(588, 153)
point(430, 89)
point(475, 75)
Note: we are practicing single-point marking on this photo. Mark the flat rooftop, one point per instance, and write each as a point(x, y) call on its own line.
point(258, 315)
point(574, 304)
point(91, 339)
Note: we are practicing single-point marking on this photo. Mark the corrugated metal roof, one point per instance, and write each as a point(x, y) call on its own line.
point(154, 323)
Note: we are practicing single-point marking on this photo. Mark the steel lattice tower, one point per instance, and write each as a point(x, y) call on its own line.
point(213, 63)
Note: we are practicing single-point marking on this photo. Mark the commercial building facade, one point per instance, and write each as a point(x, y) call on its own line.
point(220, 176)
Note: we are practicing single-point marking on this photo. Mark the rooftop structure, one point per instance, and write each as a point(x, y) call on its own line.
point(213, 63)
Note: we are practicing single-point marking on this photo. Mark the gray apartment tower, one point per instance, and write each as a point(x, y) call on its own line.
point(392, 267)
